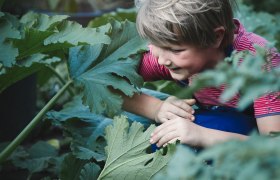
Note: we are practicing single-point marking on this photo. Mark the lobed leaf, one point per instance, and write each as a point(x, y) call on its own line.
point(86, 129)
point(90, 171)
point(127, 150)
point(113, 67)
point(8, 53)
point(73, 33)
point(71, 168)
point(41, 22)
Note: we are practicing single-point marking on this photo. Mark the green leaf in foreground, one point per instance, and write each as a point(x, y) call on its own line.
point(256, 158)
point(126, 152)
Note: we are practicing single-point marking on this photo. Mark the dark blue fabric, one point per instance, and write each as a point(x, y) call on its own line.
point(225, 119)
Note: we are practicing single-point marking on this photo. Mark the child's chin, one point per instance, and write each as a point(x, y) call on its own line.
point(180, 77)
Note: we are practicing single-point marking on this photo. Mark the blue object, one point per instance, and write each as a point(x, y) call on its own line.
point(225, 119)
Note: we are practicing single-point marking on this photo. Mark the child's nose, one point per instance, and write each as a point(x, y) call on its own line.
point(162, 60)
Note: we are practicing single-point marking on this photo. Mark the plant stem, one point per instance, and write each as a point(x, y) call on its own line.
point(26, 131)
point(61, 79)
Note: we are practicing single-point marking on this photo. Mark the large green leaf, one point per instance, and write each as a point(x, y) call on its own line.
point(119, 14)
point(40, 156)
point(8, 53)
point(73, 33)
point(32, 43)
point(90, 172)
point(41, 22)
point(44, 33)
point(114, 67)
point(23, 69)
point(71, 168)
point(126, 152)
point(86, 129)
point(82, 57)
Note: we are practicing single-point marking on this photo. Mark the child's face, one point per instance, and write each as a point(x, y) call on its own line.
point(184, 60)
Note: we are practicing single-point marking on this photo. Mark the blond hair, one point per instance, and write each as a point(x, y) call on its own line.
point(185, 21)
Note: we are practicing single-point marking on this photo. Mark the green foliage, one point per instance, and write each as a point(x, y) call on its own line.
point(71, 167)
point(40, 36)
point(40, 156)
point(99, 60)
point(119, 14)
point(112, 63)
point(126, 152)
point(102, 59)
point(261, 23)
point(84, 128)
point(271, 6)
point(256, 158)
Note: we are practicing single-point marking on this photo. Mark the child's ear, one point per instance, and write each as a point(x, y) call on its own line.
point(220, 33)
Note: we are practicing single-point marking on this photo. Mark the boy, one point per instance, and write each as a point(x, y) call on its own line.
point(188, 37)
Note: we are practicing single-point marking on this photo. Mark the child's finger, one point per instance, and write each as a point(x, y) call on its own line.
point(171, 141)
point(161, 130)
point(181, 104)
point(166, 138)
point(176, 112)
point(190, 101)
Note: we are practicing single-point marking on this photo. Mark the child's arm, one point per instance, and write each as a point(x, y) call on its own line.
point(190, 133)
point(158, 110)
point(269, 124)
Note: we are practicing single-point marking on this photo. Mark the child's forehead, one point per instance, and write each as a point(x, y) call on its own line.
point(170, 45)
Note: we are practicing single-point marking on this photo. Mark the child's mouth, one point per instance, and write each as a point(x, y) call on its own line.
point(174, 69)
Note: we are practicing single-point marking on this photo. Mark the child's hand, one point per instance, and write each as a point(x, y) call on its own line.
point(176, 129)
point(173, 107)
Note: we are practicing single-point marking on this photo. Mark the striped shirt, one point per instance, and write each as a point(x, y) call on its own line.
point(266, 105)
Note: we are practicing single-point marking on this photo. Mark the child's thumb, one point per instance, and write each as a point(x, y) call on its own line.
point(190, 101)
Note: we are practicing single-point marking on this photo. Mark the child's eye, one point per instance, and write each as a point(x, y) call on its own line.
point(176, 50)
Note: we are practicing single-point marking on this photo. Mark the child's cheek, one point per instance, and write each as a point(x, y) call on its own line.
point(154, 50)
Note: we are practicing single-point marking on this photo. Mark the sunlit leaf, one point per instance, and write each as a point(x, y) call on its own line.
point(73, 33)
point(126, 152)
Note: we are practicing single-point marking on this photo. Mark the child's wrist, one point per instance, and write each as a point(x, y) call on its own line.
point(157, 109)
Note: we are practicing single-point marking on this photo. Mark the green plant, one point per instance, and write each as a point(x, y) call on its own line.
point(256, 158)
point(97, 59)
point(101, 58)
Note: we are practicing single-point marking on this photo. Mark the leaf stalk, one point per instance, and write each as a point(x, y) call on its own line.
point(27, 130)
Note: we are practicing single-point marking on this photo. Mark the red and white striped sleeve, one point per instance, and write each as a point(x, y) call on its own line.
point(150, 70)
